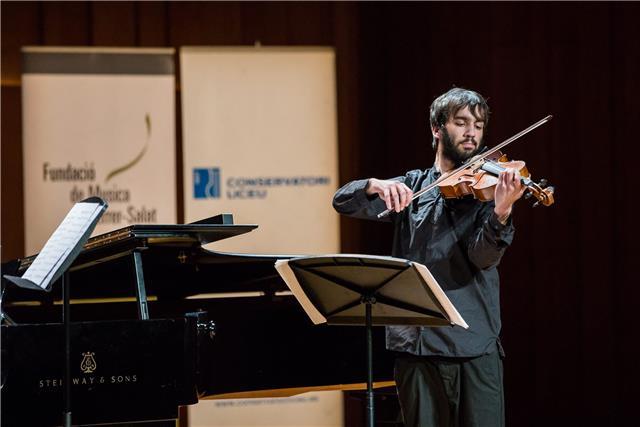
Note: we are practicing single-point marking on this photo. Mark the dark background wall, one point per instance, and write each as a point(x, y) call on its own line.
point(570, 290)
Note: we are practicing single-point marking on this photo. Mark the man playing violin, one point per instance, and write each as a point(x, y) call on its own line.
point(447, 376)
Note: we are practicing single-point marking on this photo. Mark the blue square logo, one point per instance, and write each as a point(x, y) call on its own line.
point(206, 183)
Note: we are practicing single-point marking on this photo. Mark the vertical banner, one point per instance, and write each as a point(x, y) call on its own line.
point(98, 122)
point(260, 142)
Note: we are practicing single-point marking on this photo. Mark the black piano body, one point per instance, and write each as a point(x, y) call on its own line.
point(122, 371)
point(207, 325)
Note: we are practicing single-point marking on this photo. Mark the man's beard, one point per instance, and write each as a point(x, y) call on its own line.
point(455, 154)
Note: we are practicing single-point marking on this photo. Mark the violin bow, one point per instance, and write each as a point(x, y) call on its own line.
point(473, 160)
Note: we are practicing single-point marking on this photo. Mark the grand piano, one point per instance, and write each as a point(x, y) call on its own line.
point(160, 322)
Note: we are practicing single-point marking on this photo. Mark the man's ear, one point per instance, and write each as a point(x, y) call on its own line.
point(435, 132)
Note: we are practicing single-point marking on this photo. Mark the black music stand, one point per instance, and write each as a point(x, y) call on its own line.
point(53, 261)
point(368, 290)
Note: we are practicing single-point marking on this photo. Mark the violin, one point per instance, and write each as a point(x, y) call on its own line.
point(480, 181)
point(479, 176)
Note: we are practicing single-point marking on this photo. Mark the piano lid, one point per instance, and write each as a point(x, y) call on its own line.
point(124, 241)
point(173, 265)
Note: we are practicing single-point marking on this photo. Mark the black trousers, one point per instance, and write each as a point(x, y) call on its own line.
point(450, 392)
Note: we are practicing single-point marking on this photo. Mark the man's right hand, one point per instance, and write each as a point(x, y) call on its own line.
point(396, 195)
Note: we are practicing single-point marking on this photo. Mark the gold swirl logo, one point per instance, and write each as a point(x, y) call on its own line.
point(132, 163)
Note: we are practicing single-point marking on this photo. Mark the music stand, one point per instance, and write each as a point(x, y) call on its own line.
point(368, 290)
point(53, 261)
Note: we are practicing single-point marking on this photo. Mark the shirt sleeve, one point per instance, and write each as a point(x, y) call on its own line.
point(352, 200)
point(490, 240)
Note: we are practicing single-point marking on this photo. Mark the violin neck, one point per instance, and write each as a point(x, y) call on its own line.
point(495, 169)
point(492, 168)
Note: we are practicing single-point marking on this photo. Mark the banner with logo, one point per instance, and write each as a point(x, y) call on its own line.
point(98, 122)
point(260, 142)
point(314, 409)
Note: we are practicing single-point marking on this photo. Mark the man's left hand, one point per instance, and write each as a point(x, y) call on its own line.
point(508, 190)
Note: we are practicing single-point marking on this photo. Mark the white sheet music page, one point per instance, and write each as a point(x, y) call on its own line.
point(452, 313)
point(61, 242)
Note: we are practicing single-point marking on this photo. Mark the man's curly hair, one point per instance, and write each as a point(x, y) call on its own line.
point(449, 103)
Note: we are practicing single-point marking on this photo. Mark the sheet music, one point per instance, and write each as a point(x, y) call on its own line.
point(61, 243)
point(289, 277)
point(452, 312)
point(437, 300)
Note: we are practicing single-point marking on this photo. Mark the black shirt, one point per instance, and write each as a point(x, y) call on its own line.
point(461, 241)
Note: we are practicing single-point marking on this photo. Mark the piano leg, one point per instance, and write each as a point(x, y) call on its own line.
point(141, 292)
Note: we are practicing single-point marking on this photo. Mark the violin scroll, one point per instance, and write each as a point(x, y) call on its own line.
point(542, 192)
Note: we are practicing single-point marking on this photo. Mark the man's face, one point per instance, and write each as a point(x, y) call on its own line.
point(462, 136)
